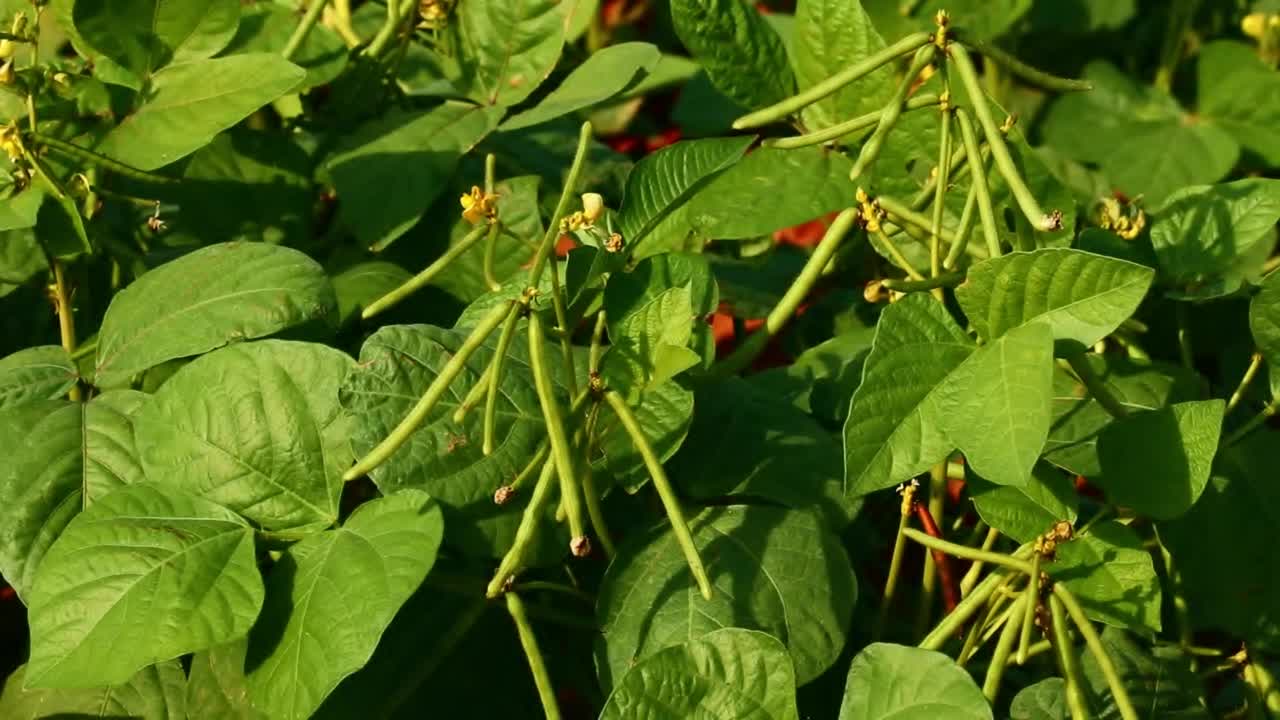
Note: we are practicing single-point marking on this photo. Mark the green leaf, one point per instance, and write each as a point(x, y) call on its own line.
point(1264, 324)
point(19, 211)
point(1201, 233)
point(823, 378)
point(830, 35)
point(21, 256)
point(154, 693)
point(745, 441)
point(144, 35)
point(985, 19)
point(215, 430)
point(1024, 513)
point(729, 673)
point(444, 458)
point(362, 283)
point(1045, 700)
point(508, 47)
point(1082, 297)
point(267, 27)
point(1163, 484)
point(1128, 129)
point(634, 302)
point(656, 336)
point(663, 411)
point(216, 685)
point(1078, 419)
point(772, 189)
point(1222, 548)
point(906, 683)
point(191, 102)
point(139, 559)
point(1160, 681)
point(603, 75)
point(1240, 93)
point(206, 299)
point(37, 373)
point(1111, 574)
point(926, 390)
point(745, 58)
point(331, 596)
point(388, 172)
point(60, 458)
point(661, 182)
point(774, 570)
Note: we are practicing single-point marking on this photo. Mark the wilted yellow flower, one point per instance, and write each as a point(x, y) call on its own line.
point(10, 143)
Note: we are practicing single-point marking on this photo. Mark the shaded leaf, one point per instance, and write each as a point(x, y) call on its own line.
point(1045, 700)
point(1026, 512)
point(1111, 574)
point(602, 75)
point(1159, 681)
point(154, 693)
point(142, 36)
point(906, 683)
point(45, 372)
point(745, 59)
point(1240, 93)
point(267, 27)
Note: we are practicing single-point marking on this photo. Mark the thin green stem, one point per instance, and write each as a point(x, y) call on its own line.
point(1032, 594)
point(891, 112)
point(494, 380)
point(566, 195)
point(1031, 75)
point(541, 679)
point(975, 570)
point(790, 302)
point(895, 565)
point(1254, 423)
point(597, 344)
point(999, 150)
point(660, 482)
point(1255, 363)
point(1181, 14)
point(1097, 388)
point(1091, 638)
point(780, 111)
point(982, 193)
point(595, 513)
point(895, 254)
point(968, 553)
point(944, 280)
point(1008, 636)
point(490, 256)
point(848, 127)
point(944, 180)
point(1181, 612)
point(102, 162)
point(526, 533)
point(1074, 681)
point(929, 573)
point(563, 330)
point(418, 415)
point(66, 319)
point(967, 608)
point(902, 213)
point(417, 282)
point(561, 451)
point(300, 33)
point(387, 31)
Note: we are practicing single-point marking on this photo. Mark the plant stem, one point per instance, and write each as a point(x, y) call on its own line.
point(1254, 423)
point(999, 150)
point(660, 482)
point(494, 380)
point(965, 230)
point(1181, 612)
point(1032, 75)
point(835, 132)
point(387, 31)
point(866, 66)
point(1097, 388)
point(944, 180)
point(902, 213)
point(594, 512)
point(411, 422)
point(895, 563)
point(560, 449)
point(971, 577)
point(944, 280)
point(1255, 363)
point(891, 112)
point(597, 343)
point(546, 692)
point(900, 260)
point(1070, 663)
point(968, 553)
point(490, 256)
point(1008, 636)
point(564, 331)
point(1032, 594)
point(562, 206)
point(1091, 638)
point(980, 189)
point(513, 561)
point(300, 33)
point(790, 302)
point(417, 282)
point(66, 319)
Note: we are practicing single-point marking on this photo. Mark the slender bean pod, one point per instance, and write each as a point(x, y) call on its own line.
point(1032, 75)
point(848, 127)
point(561, 451)
point(494, 380)
point(1033, 601)
point(541, 678)
point(526, 533)
point(982, 192)
point(1067, 657)
point(1008, 636)
point(562, 206)
point(968, 553)
point(1091, 638)
point(419, 281)
point(889, 116)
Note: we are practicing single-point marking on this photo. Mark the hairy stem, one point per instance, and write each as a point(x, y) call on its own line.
point(1255, 363)
point(66, 319)
point(546, 692)
point(660, 482)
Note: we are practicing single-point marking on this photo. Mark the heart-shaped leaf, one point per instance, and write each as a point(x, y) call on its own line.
point(895, 681)
point(140, 559)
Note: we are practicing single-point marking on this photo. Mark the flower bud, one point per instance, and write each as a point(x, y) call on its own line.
point(592, 206)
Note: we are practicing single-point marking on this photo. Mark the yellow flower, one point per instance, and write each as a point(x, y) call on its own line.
point(592, 206)
point(477, 206)
point(10, 144)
